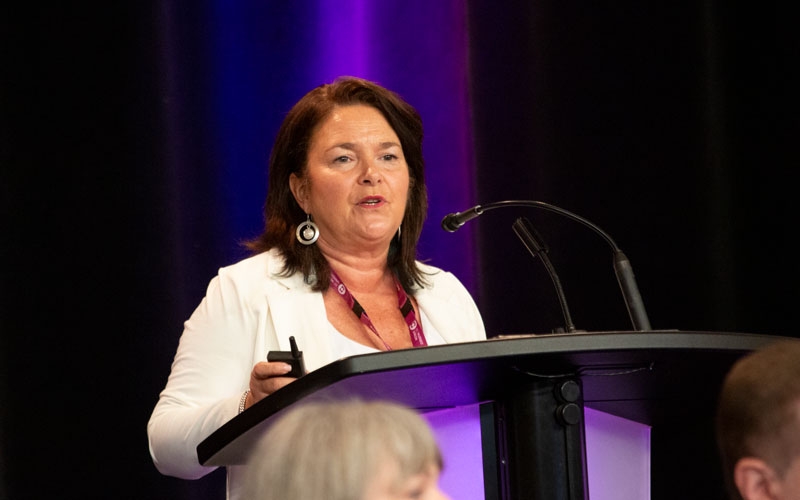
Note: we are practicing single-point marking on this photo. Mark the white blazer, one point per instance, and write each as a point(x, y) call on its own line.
point(249, 310)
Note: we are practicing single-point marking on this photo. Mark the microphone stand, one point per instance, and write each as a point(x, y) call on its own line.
point(535, 245)
point(622, 266)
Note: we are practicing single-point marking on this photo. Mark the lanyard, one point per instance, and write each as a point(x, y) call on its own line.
point(406, 309)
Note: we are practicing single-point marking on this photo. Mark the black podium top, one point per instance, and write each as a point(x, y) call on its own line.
point(631, 374)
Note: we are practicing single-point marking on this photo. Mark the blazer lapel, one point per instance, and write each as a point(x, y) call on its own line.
point(300, 312)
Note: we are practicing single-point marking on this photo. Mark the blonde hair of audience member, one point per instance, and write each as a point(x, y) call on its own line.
point(758, 424)
point(352, 450)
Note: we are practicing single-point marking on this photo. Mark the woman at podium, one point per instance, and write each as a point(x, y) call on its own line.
point(335, 268)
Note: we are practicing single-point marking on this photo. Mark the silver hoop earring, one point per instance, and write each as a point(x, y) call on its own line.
point(399, 231)
point(307, 232)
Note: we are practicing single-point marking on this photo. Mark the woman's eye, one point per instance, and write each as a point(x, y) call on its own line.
point(341, 159)
point(389, 157)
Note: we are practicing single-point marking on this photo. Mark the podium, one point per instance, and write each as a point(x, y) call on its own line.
point(532, 393)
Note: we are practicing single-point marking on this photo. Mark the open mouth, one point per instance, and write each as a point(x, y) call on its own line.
point(371, 201)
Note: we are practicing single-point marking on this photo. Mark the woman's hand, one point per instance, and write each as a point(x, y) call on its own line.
point(266, 378)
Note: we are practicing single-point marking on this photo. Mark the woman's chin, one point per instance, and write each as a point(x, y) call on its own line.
point(375, 237)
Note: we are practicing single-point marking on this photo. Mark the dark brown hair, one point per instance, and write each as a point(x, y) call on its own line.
point(757, 412)
point(289, 156)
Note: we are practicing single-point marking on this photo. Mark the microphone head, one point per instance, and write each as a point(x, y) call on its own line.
point(450, 223)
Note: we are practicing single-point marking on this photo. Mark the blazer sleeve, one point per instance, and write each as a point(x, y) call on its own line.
point(209, 373)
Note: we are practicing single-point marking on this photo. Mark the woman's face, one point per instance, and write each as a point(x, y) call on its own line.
point(356, 181)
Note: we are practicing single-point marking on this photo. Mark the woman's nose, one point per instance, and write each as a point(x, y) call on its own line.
point(370, 173)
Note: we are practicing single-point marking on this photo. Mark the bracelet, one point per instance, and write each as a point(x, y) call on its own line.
point(243, 400)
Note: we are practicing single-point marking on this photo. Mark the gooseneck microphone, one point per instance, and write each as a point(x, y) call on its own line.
point(622, 266)
point(536, 246)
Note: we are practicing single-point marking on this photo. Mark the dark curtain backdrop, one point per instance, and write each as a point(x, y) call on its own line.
point(133, 163)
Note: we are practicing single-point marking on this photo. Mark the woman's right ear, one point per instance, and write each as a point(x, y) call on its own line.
point(299, 188)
